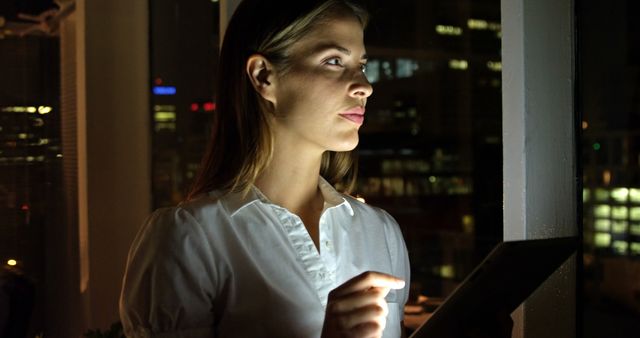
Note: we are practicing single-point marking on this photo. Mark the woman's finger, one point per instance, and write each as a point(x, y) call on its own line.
point(368, 280)
point(372, 314)
point(355, 300)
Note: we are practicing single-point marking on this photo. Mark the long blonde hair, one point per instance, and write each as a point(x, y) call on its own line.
point(240, 147)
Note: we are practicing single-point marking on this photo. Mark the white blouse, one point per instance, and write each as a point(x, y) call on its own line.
point(234, 266)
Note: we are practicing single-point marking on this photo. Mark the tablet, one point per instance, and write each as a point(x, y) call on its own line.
point(506, 277)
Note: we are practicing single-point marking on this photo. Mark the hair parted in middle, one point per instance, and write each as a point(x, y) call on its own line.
point(241, 146)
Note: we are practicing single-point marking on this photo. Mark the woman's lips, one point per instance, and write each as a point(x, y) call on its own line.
point(355, 115)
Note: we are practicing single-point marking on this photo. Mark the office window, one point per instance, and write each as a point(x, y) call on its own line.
point(431, 146)
point(610, 109)
point(31, 157)
point(184, 54)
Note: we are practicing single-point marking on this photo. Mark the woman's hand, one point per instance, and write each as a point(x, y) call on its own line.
point(357, 308)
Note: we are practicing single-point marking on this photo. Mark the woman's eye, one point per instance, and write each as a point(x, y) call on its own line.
point(334, 62)
point(363, 67)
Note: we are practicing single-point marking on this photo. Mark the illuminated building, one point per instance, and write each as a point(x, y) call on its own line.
point(609, 116)
point(183, 84)
point(430, 151)
point(30, 156)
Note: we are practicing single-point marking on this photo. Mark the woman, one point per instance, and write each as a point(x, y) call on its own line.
point(265, 246)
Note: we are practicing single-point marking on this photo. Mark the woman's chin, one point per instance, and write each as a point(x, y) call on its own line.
point(347, 145)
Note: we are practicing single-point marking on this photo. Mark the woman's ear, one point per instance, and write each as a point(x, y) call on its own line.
point(262, 77)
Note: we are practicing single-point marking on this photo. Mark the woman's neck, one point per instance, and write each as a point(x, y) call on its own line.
point(292, 182)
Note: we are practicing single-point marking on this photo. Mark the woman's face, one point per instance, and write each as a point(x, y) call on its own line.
point(319, 101)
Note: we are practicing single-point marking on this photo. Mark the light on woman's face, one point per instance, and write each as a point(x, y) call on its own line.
point(320, 101)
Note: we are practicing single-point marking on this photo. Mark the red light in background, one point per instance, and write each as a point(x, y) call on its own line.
point(195, 107)
point(24, 207)
point(209, 106)
point(158, 81)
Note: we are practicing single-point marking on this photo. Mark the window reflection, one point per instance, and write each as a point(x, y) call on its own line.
point(430, 150)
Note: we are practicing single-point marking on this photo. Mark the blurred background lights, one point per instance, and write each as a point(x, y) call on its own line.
point(458, 64)
point(12, 262)
point(495, 66)
point(448, 30)
point(44, 110)
point(620, 194)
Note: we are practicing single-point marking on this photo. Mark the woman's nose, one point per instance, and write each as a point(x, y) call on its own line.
point(360, 87)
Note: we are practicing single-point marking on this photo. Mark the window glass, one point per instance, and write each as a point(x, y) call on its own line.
point(30, 155)
point(184, 56)
point(609, 109)
point(431, 146)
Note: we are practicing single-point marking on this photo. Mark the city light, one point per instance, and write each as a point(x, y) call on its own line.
point(601, 194)
point(44, 110)
point(164, 116)
point(19, 109)
point(619, 227)
point(479, 24)
point(620, 247)
point(458, 64)
point(619, 212)
point(27, 109)
point(585, 125)
point(616, 215)
point(602, 224)
point(12, 262)
point(606, 177)
point(372, 71)
point(405, 68)
point(602, 211)
point(447, 271)
point(164, 90)
point(209, 106)
point(468, 224)
point(596, 146)
point(448, 30)
point(602, 240)
point(620, 194)
point(495, 66)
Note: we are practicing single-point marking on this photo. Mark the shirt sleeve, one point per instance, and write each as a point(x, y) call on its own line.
point(168, 286)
